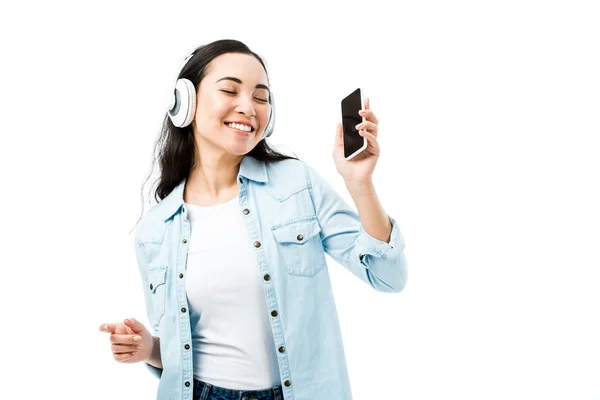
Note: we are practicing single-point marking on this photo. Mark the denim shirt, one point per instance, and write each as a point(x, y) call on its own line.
point(292, 217)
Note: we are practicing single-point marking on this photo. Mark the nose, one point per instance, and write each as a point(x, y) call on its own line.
point(246, 106)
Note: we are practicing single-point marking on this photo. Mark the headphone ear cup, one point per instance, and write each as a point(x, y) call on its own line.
point(183, 110)
point(271, 124)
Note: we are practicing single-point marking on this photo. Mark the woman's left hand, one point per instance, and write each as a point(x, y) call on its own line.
point(359, 170)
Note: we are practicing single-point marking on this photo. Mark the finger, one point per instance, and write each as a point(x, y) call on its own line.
point(125, 348)
point(338, 136)
point(368, 135)
point(373, 145)
point(107, 328)
point(368, 126)
point(368, 115)
point(125, 339)
point(124, 356)
point(367, 103)
point(135, 325)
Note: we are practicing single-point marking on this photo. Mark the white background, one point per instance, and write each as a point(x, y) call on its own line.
point(489, 128)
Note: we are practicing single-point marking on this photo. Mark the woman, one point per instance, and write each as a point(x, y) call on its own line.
point(232, 258)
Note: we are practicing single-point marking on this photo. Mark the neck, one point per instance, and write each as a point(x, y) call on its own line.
point(213, 178)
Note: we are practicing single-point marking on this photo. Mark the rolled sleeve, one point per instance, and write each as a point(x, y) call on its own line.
point(157, 372)
point(368, 244)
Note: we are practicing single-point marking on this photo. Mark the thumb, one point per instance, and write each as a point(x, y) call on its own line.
point(134, 325)
point(338, 136)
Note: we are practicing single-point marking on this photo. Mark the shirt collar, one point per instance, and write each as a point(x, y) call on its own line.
point(250, 168)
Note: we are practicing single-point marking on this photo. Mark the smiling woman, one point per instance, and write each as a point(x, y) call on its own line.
point(232, 258)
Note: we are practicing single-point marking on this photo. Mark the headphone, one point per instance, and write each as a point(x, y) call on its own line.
point(182, 103)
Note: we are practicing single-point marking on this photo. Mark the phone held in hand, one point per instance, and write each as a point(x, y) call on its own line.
point(353, 142)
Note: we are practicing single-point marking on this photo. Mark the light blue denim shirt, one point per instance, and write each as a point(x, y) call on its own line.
point(293, 217)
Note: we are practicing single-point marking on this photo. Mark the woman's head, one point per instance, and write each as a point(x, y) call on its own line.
point(175, 148)
point(232, 97)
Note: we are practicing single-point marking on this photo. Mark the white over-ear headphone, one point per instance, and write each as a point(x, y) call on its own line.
point(182, 104)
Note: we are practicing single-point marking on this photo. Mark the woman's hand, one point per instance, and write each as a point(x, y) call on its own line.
point(359, 170)
point(124, 346)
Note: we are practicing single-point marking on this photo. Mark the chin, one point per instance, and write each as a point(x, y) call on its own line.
point(240, 150)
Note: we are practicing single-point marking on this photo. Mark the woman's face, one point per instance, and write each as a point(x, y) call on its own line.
point(234, 90)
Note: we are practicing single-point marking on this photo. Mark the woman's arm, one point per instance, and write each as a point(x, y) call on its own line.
point(372, 216)
point(361, 241)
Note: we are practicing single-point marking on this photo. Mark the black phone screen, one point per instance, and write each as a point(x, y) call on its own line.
point(351, 105)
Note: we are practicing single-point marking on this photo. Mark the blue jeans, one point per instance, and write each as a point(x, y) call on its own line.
point(206, 391)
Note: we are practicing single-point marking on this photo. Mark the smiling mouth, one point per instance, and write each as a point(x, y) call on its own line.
point(239, 131)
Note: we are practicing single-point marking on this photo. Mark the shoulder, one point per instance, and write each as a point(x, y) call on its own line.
point(151, 227)
point(299, 171)
point(289, 175)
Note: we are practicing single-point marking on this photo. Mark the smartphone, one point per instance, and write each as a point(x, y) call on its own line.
point(353, 142)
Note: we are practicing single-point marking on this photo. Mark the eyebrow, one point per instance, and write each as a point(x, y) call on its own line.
point(237, 80)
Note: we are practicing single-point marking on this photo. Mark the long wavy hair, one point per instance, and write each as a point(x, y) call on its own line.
point(174, 148)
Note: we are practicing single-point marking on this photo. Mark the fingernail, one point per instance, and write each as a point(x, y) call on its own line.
point(105, 327)
point(137, 338)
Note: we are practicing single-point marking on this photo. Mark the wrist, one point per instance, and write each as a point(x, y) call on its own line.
point(362, 187)
point(154, 344)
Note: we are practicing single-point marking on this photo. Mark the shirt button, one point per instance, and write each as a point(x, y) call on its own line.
point(267, 277)
point(187, 383)
point(300, 237)
point(274, 313)
point(287, 383)
point(257, 244)
point(241, 181)
point(246, 211)
point(187, 346)
point(181, 276)
point(282, 349)
point(151, 287)
point(184, 241)
point(361, 257)
point(183, 309)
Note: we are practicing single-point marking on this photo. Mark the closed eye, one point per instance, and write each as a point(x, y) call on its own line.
point(233, 93)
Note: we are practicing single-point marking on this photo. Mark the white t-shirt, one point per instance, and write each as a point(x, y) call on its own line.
point(231, 333)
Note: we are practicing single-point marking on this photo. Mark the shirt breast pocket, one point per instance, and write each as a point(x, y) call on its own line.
point(157, 278)
point(299, 245)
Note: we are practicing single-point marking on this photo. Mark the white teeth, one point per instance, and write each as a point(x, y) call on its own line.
point(241, 127)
